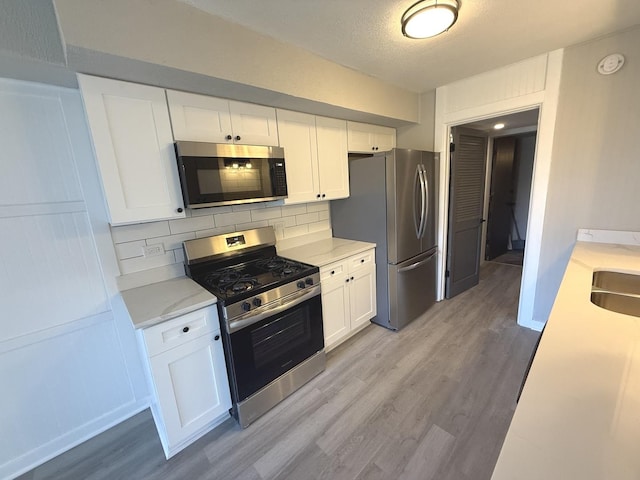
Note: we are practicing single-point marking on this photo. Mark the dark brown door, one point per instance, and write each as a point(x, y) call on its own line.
point(500, 197)
point(466, 200)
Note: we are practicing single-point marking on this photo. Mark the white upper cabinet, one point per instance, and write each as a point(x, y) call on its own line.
point(315, 151)
point(365, 138)
point(200, 118)
point(333, 163)
point(133, 144)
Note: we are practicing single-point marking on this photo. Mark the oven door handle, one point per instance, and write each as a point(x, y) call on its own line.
point(250, 319)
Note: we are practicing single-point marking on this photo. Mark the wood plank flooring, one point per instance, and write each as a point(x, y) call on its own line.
point(432, 401)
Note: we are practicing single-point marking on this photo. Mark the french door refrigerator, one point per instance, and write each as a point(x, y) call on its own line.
point(392, 203)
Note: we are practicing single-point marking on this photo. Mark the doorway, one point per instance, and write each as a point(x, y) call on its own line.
point(498, 173)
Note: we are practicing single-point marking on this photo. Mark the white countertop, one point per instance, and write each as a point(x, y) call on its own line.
point(155, 303)
point(324, 252)
point(579, 414)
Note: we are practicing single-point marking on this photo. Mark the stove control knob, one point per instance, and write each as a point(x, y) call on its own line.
point(246, 306)
point(308, 281)
point(257, 302)
point(300, 284)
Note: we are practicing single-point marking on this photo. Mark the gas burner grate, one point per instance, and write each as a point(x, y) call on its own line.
point(280, 267)
point(230, 281)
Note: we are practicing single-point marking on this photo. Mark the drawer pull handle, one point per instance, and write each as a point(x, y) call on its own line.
point(216, 338)
point(185, 329)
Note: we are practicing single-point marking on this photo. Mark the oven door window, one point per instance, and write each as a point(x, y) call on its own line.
point(264, 351)
point(216, 180)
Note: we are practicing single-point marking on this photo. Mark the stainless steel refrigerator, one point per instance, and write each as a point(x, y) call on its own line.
point(393, 203)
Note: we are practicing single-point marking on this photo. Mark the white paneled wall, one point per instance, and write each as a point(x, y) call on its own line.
point(287, 220)
point(68, 366)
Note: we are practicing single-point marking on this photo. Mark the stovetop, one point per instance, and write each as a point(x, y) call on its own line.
point(239, 278)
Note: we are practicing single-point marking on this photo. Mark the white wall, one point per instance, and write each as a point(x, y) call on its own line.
point(69, 367)
point(525, 156)
point(596, 155)
point(420, 136)
point(143, 35)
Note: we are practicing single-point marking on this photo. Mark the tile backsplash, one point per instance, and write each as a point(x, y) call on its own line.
point(287, 220)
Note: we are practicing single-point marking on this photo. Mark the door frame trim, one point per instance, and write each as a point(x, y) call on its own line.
point(547, 101)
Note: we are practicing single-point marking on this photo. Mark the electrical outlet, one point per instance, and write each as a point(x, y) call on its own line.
point(153, 250)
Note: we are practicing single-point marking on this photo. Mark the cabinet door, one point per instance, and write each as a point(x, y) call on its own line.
point(385, 138)
point(365, 138)
point(199, 118)
point(298, 138)
point(253, 124)
point(360, 138)
point(191, 386)
point(133, 144)
point(333, 164)
point(362, 295)
point(335, 310)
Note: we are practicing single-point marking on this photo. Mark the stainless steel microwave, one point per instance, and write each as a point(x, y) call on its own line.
point(213, 174)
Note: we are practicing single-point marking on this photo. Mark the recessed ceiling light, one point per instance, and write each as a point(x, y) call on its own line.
point(428, 18)
point(499, 126)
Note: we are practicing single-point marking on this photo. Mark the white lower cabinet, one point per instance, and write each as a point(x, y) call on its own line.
point(188, 376)
point(348, 297)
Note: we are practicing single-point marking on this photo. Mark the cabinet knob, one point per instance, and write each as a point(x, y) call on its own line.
point(323, 195)
point(238, 138)
point(352, 279)
point(373, 148)
point(347, 280)
point(216, 338)
point(318, 196)
point(228, 137)
point(179, 210)
point(332, 272)
point(362, 260)
point(185, 329)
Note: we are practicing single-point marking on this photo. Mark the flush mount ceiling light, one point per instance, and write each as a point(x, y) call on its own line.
point(428, 18)
point(499, 126)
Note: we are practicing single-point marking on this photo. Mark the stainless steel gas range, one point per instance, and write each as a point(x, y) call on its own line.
point(270, 314)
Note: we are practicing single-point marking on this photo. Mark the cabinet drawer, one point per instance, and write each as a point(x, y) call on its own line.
point(172, 333)
point(366, 258)
point(333, 270)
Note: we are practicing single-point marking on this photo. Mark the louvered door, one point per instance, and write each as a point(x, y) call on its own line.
point(466, 199)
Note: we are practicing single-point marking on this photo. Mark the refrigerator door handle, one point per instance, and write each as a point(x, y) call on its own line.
point(425, 212)
point(413, 266)
point(418, 181)
point(423, 202)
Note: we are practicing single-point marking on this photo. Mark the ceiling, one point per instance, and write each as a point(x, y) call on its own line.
point(365, 34)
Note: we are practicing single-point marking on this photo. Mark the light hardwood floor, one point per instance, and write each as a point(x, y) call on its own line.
point(432, 401)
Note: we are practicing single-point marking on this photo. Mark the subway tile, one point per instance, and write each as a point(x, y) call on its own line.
point(249, 206)
point(318, 226)
point(215, 231)
point(307, 218)
point(288, 210)
point(285, 221)
point(138, 264)
point(251, 225)
point(129, 249)
point(191, 224)
point(232, 218)
point(139, 231)
point(266, 214)
point(173, 242)
point(324, 215)
point(201, 212)
point(296, 231)
point(179, 255)
point(317, 206)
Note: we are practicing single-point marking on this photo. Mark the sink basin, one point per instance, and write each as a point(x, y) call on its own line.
point(616, 282)
point(627, 304)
